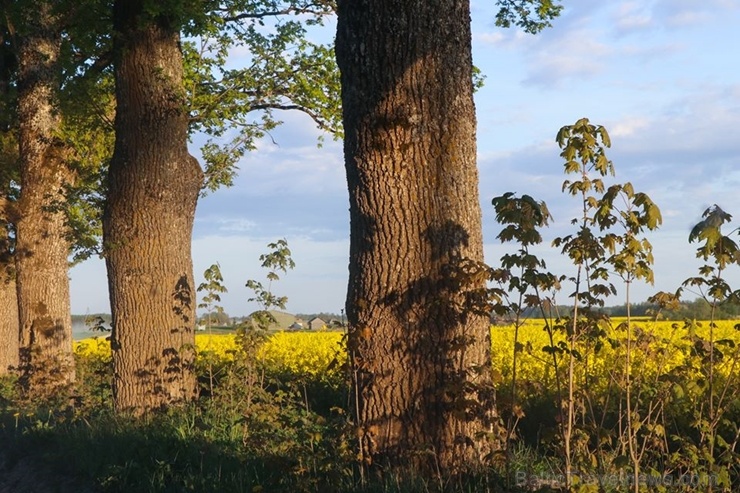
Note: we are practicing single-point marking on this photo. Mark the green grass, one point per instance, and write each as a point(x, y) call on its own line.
point(292, 433)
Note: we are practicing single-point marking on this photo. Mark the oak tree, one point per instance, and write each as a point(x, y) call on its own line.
point(9, 328)
point(166, 89)
point(8, 321)
point(52, 149)
point(42, 245)
point(153, 186)
point(419, 348)
point(418, 338)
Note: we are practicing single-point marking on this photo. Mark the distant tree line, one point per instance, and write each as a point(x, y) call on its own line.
point(698, 309)
point(326, 316)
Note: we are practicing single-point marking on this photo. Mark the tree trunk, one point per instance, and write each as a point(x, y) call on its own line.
point(42, 248)
point(419, 336)
point(9, 328)
point(153, 188)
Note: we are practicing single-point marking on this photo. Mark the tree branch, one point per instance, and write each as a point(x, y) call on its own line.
point(320, 122)
point(104, 61)
point(313, 8)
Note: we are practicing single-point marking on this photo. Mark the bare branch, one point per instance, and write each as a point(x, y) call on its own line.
point(318, 9)
point(320, 122)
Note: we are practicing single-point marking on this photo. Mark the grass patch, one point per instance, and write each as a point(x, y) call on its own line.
point(278, 421)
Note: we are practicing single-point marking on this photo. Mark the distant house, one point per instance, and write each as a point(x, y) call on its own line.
point(316, 323)
point(295, 326)
point(281, 320)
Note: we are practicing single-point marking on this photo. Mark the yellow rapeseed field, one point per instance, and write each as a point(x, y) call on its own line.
point(304, 353)
point(94, 347)
point(657, 348)
point(300, 353)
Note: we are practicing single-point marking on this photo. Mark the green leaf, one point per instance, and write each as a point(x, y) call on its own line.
point(621, 461)
point(532, 16)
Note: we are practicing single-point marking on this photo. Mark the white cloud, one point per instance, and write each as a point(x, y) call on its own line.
point(628, 127)
point(632, 16)
point(698, 123)
point(597, 40)
point(644, 53)
point(678, 14)
point(576, 57)
point(238, 225)
point(493, 38)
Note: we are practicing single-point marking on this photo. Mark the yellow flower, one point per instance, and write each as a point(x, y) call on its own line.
point(657, 348)
point(304, 353)
point(93, 348)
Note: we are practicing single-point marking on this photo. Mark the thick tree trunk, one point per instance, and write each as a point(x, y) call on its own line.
point(42, 249)
point(9, 328)
point(418, 339)
point(153, 189)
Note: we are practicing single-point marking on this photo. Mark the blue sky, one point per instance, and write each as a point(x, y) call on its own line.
point(662, 76)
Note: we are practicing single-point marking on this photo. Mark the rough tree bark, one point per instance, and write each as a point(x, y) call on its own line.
point(153, 187)
point(419, 340)
point(42, 248)
point(9, 328)
point(9, 322)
